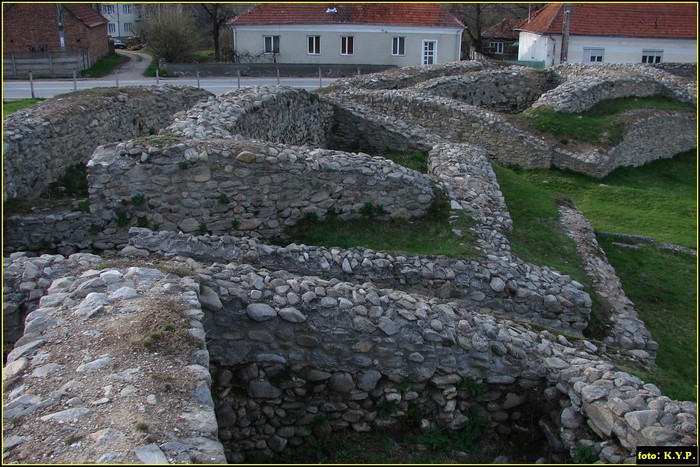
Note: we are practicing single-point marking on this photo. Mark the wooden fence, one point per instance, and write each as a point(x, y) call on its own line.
point(45, 65)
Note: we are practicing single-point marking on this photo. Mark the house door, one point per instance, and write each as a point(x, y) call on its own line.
point(429, 52)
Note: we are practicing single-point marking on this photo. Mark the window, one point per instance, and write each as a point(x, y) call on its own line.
point(127, 27)
point(652, 56)
point(593, 55)
point(108, 9)
point(126, 9)
point(271, 44)
point(111, 28)
point(36, 49)
point(313, 45)
point(398, 46)
point(346, 45)
point(496, 47)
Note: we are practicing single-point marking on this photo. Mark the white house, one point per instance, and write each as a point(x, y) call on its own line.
point(122, 17)
point(400, 34)
point(610, 33)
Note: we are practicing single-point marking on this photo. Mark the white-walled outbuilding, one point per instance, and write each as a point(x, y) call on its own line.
point(611, 33)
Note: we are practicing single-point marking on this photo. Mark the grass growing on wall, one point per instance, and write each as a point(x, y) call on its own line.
point(597, 125)
point(431, 234)
point(10, 107)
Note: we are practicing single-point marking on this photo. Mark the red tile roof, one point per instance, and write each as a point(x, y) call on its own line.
point(659, 20)
point(388, 14)
point(504, 29)
point(87, 15)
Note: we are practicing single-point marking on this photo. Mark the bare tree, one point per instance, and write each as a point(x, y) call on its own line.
point(477, 17)
point(217, 15)
point(172, 34)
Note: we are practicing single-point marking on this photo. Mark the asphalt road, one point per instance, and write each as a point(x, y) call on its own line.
point(131, 74)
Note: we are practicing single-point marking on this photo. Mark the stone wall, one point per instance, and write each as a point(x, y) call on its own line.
point(456, 122)
point(509, 90)
point(81, 385)
point(292, 354)
point(648, 135)
point(40, 143)
point(269, 113)
point(583, 86)
point(222, 186)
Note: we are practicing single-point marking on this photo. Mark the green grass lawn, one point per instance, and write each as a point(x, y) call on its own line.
point(431, 234)
point(10, 107)
point(656, 200)
point(662, 285)
point(597, 125)
point(105, 66)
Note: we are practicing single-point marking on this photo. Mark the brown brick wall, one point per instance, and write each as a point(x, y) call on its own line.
point(30, 24)
point(36, 24)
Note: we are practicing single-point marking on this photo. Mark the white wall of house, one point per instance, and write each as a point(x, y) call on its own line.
point(629, 50)
point(614, 49)
point(371, 44)
point(122, 17)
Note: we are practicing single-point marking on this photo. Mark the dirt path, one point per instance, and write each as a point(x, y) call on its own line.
point(133, 68)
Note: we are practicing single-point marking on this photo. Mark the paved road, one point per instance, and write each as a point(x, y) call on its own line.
point(131, 74)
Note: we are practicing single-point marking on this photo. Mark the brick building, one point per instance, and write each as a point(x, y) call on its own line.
point(56, 29)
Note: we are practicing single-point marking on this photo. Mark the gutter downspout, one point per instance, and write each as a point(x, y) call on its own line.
point(565, 34)
point(233, 43)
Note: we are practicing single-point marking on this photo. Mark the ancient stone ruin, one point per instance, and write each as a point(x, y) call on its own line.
point(163, 325)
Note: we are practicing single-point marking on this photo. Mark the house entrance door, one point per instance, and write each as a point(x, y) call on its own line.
point(429, 52)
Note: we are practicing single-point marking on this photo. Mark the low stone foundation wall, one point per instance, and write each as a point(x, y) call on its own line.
point(42, 142)
point(277, 114)
point(456, 122)
point(221, 186)
point(509, 90)
point(81, 386)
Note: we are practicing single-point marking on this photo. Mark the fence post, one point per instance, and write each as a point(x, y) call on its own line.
point(157, 77)
point(75, 82)
point(278, 76)
point(319, 77)
point(14, 65)
point(197, 79)
point(358, 71)
point(117, 77)
point(31, 83)
point(239, 79)
point(53, 75)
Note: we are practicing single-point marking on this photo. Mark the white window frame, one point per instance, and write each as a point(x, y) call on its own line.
point(273, 40)
point(429, 59)
point(497, 47)
point(126, 9)
point(347, 45)
point(313, 45)
point(111, 28)
point(656, 55)
point(398, 46)
point(589, 53)
point(127, 27)
point(107, 9)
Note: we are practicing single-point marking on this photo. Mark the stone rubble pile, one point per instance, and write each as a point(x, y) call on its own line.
point(80, 385)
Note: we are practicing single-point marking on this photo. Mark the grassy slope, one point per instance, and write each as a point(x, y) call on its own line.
point(104, 66)
point(658, 200)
